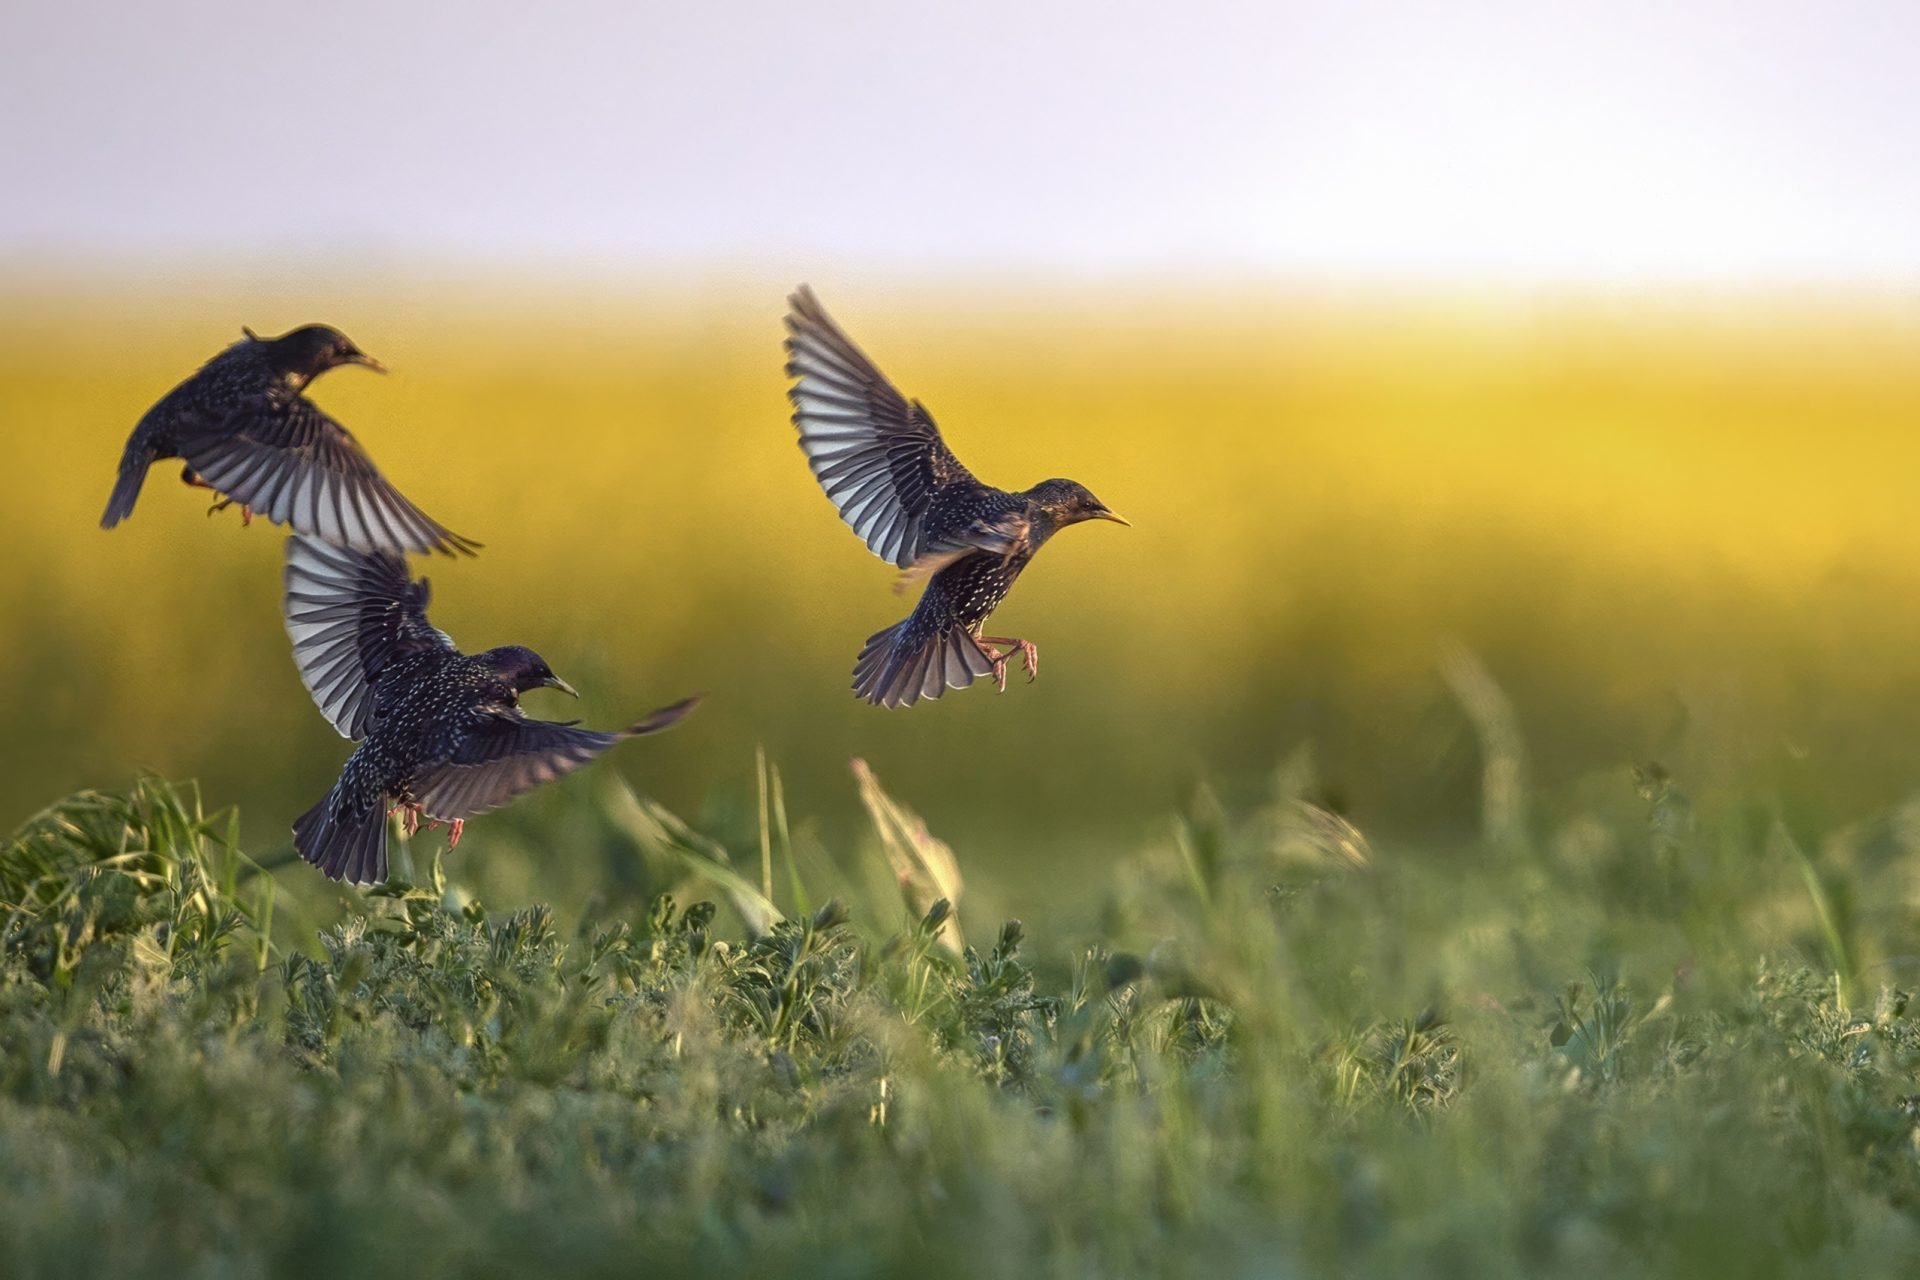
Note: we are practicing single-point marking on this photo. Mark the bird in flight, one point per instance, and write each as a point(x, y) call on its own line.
point(882, 462)
point(441, 733)
point(245, 429)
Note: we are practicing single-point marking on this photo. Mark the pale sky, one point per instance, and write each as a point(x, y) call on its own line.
point(1527, 141)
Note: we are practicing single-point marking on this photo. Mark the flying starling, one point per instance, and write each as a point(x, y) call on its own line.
point(882, 462)
point(441, 732)
point(246, 430)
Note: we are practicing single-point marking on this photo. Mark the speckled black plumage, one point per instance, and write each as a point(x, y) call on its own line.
point(883, 464)
point(441, 732)
point(246, 430)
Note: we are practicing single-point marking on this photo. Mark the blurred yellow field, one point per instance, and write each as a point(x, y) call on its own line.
point(1663, 521)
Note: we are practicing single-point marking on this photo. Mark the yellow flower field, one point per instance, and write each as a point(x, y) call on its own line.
point(1673, 527)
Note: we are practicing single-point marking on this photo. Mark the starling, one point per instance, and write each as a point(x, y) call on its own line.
point(441, 732)
point(247, 431)
point(881, 460)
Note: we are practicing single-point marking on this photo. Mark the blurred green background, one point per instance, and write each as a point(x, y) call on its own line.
point(1673, 526)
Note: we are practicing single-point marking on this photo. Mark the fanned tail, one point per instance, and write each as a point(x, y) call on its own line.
point(346, 839)
point(912, 660)
point(126, 487)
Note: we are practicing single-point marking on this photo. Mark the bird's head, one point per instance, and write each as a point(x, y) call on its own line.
point(524, 669)
point(311, 350)
point(1069, 502)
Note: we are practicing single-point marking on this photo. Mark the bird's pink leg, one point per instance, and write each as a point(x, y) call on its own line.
point(1029, 656)
point(415, 814)
point(409, 817)
point(454, 829)
point(191, 478)
point(246, 512)
point(998, 658)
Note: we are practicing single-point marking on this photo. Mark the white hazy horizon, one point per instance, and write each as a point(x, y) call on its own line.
point(1498, 142)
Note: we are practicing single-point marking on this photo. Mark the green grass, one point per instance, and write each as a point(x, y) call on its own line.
point(1654, 1034)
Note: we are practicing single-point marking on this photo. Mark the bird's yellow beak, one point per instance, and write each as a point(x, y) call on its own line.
point(555, 682)
point(362, 358)
point(1108, 515)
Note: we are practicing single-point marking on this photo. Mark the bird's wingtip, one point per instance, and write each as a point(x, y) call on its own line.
point(803, 307)
point(664, 718)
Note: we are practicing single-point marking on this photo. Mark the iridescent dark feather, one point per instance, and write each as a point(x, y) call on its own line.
point(885, 467)
point(440, 731)
point(246, 429)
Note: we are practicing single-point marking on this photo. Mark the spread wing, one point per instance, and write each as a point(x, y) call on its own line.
point(509, 755)
point(290, 462)
point(350, 614)
point(879, 456)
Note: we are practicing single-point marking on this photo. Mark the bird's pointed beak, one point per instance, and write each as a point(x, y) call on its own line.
point(555, 682)
point(1104, 514)
point(362, 358)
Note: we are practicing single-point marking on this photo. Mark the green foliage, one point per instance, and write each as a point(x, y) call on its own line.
point(147, 873)
point(1285, 1049)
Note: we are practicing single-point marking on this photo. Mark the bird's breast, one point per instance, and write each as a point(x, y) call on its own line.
point(972, 588)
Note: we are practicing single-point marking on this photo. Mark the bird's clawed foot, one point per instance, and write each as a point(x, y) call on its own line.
point(409, 818)
point(1029, 657)
point(191, 478)
point(246, 512)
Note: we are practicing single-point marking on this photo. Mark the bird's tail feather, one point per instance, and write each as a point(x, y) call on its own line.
point(908, 662)
point(126, 489)
point(345, 841)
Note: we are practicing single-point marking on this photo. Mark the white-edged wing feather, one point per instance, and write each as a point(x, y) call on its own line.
point(351, 613)
point(510, 755)
point(294, 465)
point(879, 456)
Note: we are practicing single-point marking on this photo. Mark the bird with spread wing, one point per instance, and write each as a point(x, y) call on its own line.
point(884, 465)
point(441, 733)
point(245, 429)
